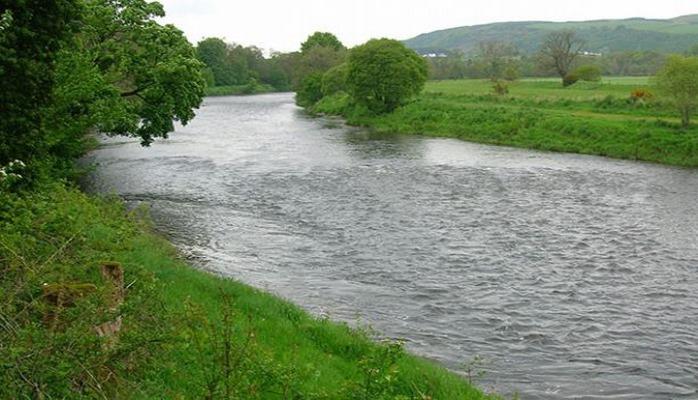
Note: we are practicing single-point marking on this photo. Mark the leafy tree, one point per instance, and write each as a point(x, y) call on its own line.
point(317, 60)
point(678, 81)
point(322, 39)
point(214, 53)
point(31, 35)
point(383, 73)
point(559, 51)
point(588, 73)
point(145, 75)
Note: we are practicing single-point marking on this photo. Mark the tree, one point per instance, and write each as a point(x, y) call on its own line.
point(559, 50)
point(678, 81)
point(31, 35)
point(383, 73)
point(144, 75)
point(495, 58)
point(214, 53)
point(322, 39)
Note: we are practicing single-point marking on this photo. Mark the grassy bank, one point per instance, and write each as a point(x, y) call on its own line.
point(589, 118)
point(185, 333)
point(239, 90)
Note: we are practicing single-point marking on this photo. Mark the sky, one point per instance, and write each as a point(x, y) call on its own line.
point(282, 25)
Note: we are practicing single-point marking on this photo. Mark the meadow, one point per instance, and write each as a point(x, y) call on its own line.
point(616, 117)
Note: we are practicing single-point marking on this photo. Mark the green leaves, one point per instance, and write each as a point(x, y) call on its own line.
point(383, 73)
point(150, 71)
point(678, 81)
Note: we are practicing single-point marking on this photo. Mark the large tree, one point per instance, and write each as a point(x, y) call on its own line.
point(142, 75)
point(559, 51)
point(678, 81)
point(383, 73)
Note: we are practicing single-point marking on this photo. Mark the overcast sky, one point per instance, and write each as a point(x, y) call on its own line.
point(283, 25)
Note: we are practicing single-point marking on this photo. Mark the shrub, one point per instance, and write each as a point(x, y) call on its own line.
point(383, 74)
point(588, 73)
point(501, 88)
point(641, 95)
point(570, 79)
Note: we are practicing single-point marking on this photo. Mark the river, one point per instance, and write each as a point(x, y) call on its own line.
point(573, 277)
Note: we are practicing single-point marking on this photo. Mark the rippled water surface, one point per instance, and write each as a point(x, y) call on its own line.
point(573, 276)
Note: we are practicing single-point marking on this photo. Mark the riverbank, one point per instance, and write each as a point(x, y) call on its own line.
point(603, 119)
point(182, 333)
point(239, 90)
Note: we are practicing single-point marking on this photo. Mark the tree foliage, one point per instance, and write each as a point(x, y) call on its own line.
point(383, 73)
point(69, 67)
point(322, 39)
point(309, 90)
point(678, 81)
point(559, 51)
point(32, 34)
point(148, 73)
point(335, 80)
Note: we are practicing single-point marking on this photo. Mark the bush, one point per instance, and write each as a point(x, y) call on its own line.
point(641, 95)
point(310, 90)
point(570, 79)
point(588, 73)
point(501, 88)
point(383, 74)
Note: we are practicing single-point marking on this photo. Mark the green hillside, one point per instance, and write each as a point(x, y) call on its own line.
point(603, 36)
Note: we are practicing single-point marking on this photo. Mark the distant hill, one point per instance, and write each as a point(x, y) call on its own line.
point(603, 36)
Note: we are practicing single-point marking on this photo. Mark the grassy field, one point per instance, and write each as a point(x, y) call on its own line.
point(543, 88)
point(185, 334)
point(599, 118)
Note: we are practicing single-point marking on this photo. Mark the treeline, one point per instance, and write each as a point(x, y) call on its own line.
point(229, 64)
point(457, 65)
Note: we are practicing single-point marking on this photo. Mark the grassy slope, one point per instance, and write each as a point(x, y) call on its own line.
point(671, 35)
point(587, 118)
point(62, 235)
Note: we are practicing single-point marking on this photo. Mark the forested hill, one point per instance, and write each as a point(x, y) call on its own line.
point(637, 34)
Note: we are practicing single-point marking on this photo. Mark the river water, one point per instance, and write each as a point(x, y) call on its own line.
point(574, 277)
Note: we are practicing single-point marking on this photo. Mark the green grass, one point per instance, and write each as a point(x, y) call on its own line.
point(179, 323)
point(548, 88)
point(598, 118)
